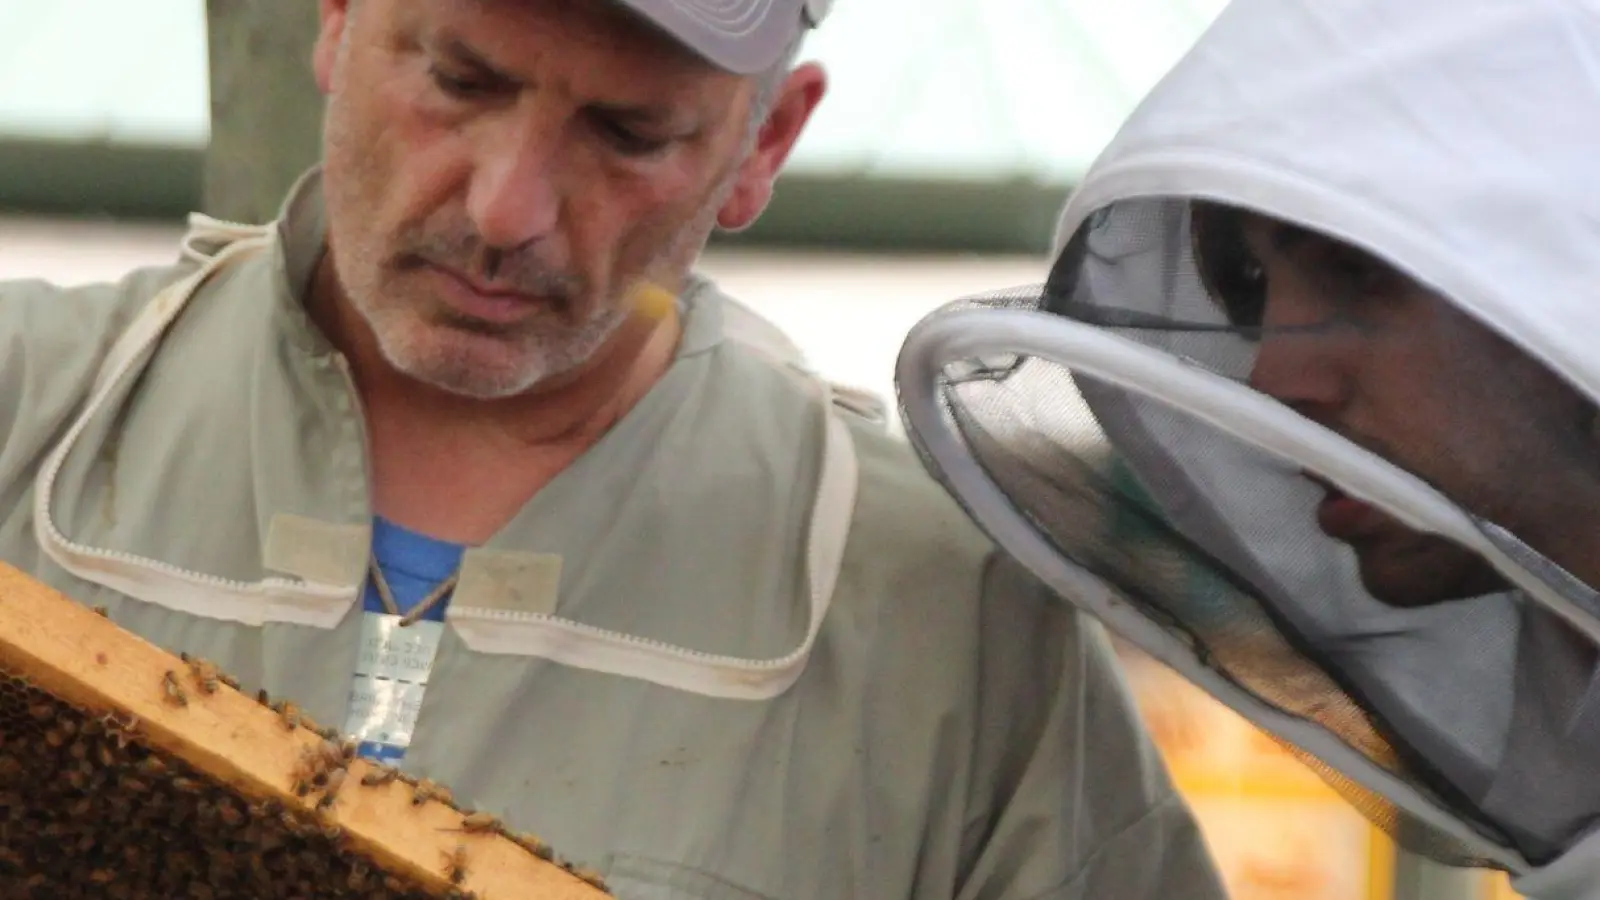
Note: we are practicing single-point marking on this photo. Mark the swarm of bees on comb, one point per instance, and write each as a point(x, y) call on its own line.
point(127, 773)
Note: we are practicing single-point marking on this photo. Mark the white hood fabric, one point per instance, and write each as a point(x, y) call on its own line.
point(1460, 141)
point(1457, 135)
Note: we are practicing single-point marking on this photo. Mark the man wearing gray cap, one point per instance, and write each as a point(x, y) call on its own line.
point(461, 455)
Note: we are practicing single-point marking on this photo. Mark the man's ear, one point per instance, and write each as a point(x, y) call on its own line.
point(335, 14)
point(791, 109)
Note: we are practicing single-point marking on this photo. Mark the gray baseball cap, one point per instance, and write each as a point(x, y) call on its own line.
point(742, 36)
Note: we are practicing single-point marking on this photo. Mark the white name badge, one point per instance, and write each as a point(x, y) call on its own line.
point(392, 670)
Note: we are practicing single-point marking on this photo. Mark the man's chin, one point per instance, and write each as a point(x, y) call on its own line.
point(1405, 584)
point(471, 373)
point(1407, 596)
point(479, 361)
point(470, 386)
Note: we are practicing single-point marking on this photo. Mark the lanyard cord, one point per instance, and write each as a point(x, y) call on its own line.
point(387, 596)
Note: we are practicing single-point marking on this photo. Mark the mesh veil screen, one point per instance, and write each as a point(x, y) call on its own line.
point(1233, 551)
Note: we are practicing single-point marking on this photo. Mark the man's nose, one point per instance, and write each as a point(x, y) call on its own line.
point(515, 195)
point(1301, 358)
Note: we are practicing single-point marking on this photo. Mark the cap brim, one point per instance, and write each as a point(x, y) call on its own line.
point(745, 37)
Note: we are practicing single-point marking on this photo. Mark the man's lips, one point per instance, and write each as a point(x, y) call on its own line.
point(1341, 516)
point(477, 300)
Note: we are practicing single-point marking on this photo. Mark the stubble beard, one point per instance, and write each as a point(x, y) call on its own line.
point(477, 360)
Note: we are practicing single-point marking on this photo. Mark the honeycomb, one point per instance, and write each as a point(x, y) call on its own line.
point(128, 773)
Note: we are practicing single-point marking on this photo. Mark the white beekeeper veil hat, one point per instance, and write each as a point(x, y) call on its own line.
point(1307, 408)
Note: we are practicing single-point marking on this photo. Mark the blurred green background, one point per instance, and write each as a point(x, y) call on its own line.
point(951, 125)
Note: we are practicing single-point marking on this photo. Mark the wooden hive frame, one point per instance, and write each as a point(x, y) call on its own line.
point(257, 754)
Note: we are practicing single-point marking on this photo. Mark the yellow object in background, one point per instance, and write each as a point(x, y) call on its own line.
point(1500, 889)
point(1276, 830)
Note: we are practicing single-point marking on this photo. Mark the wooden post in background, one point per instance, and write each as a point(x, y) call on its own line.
point(266, 112)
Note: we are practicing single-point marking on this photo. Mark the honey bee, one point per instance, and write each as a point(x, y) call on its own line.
point(290, 715)
point(175, 694)
point(303, 775)
point(531, 843)
point(331, 830)
point(335, 781)
point(152, 766)
point(313, 768)
point(122, 732)
point(379, 776)
point(481, 823)
point(591, 877)
point(230, 815)
point(425, 790)
point(332, 754)
point(205, 674)
point(78, 779)
point(455, 866)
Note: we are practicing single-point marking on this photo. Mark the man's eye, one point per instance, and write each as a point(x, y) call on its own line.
point(461, 87)
point(1236, 280)
point(626, 140)
point(1244, 288)
point(1359, 273)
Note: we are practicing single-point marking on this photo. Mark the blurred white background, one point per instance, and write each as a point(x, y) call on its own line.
point(846, 311)
point(997, 91)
